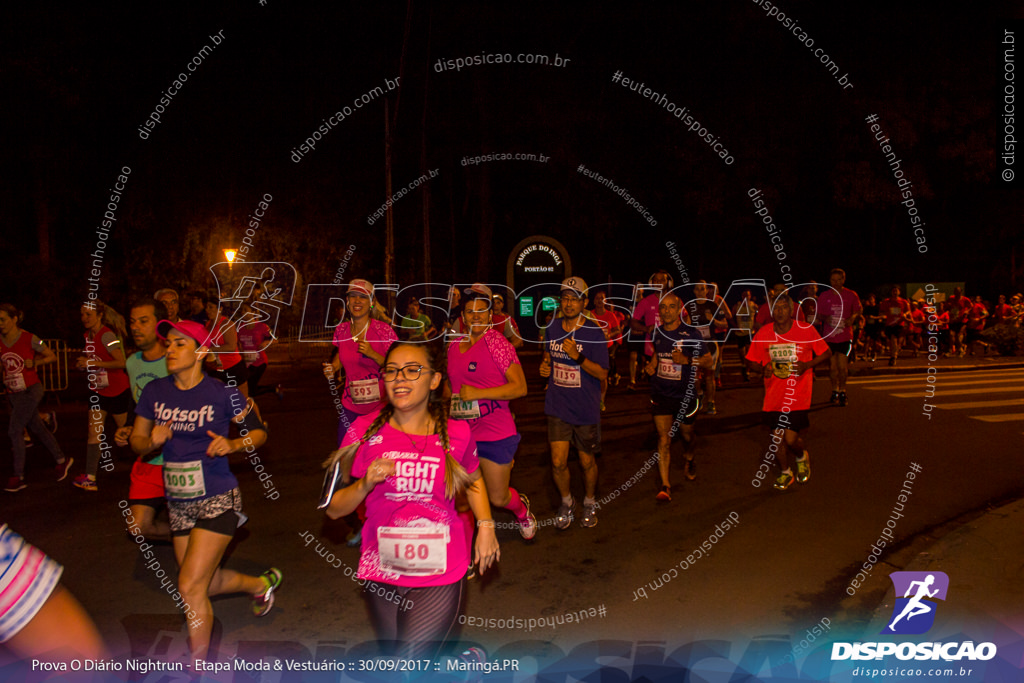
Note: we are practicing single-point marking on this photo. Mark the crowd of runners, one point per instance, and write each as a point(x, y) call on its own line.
point(426, 436)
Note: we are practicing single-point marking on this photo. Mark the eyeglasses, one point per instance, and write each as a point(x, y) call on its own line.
point(410, 373)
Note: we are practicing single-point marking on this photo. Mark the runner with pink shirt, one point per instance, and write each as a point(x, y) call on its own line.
point(645, 320)
point(839, 308)
point(408, 464)
point(484, 374)
point(252, 344)
point(362, 343)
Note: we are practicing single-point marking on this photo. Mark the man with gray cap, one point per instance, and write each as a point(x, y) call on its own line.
point(575, 362)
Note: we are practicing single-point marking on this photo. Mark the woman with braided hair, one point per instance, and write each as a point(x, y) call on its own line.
point(408, 463)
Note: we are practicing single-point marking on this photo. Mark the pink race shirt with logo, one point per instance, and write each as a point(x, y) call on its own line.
point(647, 313)
point(407, 514)
point(359, 395)
point(251, 339)
point(834, 310)
point(484, 365)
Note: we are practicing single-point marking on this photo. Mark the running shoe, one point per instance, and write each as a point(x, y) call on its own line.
point(664, 494)
point(834, 398)
point(279, 390)
point(711, 408)
point(63, 468)
point(474, 659)
point(803, 468)
point(564, 517)
point(262, 603)
point(690, 469)
point(529, 529)
point(589, 518)
point(631, 387)
point(842, 399)
point(892, 362)
point(784, 480)
point(14, 484)
point(86, 483)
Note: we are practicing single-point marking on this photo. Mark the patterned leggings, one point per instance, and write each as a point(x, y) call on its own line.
point(418, 625)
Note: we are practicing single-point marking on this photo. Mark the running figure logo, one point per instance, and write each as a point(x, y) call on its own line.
point(914, 613)
point(265, 287)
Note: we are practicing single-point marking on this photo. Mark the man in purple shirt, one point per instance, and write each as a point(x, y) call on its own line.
point(575, 362)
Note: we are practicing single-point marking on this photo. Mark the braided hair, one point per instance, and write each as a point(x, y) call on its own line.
point(456, 479)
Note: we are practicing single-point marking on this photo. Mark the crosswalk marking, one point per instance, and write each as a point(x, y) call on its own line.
point(943, 382)
point(981, 404)
point(1009, 417)
point(987, 385)
point(941, 375)
point(960, 392)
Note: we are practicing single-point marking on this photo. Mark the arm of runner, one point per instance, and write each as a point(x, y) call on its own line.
point(801, 366)
point(651, 367)
point(514, 388)
point(345, 501)
point(44, 356)
point(147, 437)
point(588, 366)
point(122, 435)
point(545, 366)
point(113, 345)
point(707, 361)
point(486, 551)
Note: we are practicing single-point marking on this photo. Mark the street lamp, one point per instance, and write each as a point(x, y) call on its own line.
point(229, 254)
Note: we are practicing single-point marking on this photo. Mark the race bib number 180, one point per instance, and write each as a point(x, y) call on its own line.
point(412, 551)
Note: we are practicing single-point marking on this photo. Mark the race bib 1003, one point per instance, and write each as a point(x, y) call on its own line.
point(184, 480)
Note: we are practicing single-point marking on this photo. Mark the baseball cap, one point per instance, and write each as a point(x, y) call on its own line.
point(186, 327)
point(478, 290)
point(576, 285)
point(361, 286)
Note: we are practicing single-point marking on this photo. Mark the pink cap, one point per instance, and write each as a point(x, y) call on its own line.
point(187, 328)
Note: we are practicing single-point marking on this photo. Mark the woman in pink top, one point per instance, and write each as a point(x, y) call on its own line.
point(484, 375)
point(362, 343)
point(409, 462)
point(225, 360)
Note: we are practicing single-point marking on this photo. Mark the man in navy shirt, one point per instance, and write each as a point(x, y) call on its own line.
point(673, 371)
point(575, 362)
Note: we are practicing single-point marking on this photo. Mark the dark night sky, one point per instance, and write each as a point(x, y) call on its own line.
point(78, 81)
